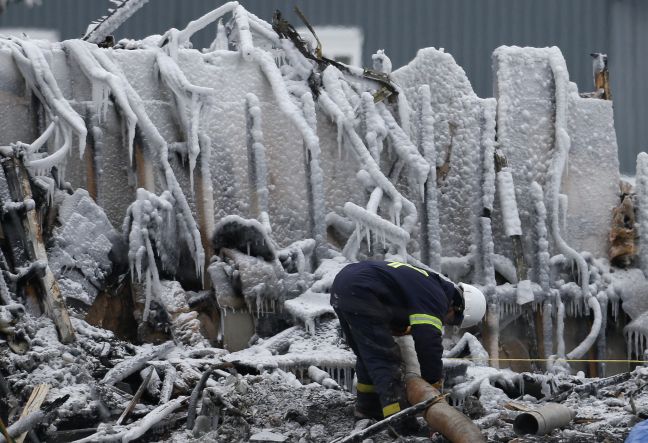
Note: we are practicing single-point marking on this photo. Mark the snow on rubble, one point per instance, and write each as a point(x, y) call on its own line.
point(172, 282)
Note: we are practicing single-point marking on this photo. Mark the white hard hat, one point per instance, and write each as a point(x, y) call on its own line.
point(474, 305)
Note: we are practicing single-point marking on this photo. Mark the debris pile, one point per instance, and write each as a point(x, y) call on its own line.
point(177, 286)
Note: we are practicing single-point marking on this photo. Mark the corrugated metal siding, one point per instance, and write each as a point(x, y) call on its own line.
point(468, 29)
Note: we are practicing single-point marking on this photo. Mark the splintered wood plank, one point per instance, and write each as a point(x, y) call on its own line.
point(34, 403)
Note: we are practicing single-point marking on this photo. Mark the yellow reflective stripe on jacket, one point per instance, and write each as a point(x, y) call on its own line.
point(398, 264)
point(391, 409)
point(425, 319)
point(365, 388)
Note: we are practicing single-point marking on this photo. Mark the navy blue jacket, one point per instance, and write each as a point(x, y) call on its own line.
point(399, 295)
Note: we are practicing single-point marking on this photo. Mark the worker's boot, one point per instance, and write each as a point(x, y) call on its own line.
point(368, 406)
point(406, 426)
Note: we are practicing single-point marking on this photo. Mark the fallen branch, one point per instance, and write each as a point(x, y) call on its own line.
point(131, 405)
point(127, 367)
point(191, 414)
point(136, 429)
point(170, 375)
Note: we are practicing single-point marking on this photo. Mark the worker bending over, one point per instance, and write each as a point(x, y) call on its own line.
point(375, 300)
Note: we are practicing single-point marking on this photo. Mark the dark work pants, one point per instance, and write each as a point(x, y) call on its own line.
point(378, 356)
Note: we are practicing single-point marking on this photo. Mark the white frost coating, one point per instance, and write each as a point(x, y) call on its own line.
point(524, 292)
point(542, 268)
point(170, 375)
point(129, 366)
point(477, 352)
point(367, 163)
point(401, 143)
point(152, 218)
point(188, 229)
point(381, 62)
point(41, 140)
point(308, 307)
point(426, 145)
point(587, 343)
point(488, 134)
point(560, 324)
point(376, 131)
point(263, 28)
point(257, 155)
point(315, 173)
point(505, 267)
point(42, 166)
point(322, 377)
point(372, 222)
point(506, 194)
point(487, 251)
point(245, 37)
point(189, 102)
point(642, 209)
point(333, 81)
point(220, 43)
point(302, 67)
point(308, 133)
point(559, 161)
point(39, 77)
point(154, 417)
point(97, 32)
point(103, 83)
point(182, 37)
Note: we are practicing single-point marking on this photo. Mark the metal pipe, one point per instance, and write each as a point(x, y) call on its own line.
point(543, 420)
point(442, 417)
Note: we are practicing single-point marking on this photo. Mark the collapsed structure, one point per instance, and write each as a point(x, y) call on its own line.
point(174, 213)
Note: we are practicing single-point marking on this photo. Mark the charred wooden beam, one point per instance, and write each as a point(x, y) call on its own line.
point(50, 294)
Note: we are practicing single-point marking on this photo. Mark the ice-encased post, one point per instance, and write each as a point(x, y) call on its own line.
point(431, 251)
point(257, 167)
point(205, 202)
point(541, 272)
point(642, 209)
point(315, 176)
point(491, 330)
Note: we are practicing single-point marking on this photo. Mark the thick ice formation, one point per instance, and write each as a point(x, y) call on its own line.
point(288, 167)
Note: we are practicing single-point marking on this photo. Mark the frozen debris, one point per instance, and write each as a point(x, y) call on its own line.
point(130, 366)
point(308, 307)
point(267, 436)
point(295, 349)
point(247, 236)
point(81, 246)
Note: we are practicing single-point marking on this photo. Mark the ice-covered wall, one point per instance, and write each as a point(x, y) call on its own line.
point(528, 84)
point(458, 115)
point(462, 132)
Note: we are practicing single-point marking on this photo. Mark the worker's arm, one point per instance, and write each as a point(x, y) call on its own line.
point(429, 350)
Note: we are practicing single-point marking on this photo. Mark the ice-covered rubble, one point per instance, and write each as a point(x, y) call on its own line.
point(273, 168)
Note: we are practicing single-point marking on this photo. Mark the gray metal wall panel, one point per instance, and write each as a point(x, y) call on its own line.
point(468, 29)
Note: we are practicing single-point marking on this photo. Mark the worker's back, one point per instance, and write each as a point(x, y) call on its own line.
point(391, 291)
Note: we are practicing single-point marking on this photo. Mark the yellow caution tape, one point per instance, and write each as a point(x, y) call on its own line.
point(582, 360)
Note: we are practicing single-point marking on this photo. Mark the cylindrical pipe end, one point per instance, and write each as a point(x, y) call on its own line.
point(543, 420)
